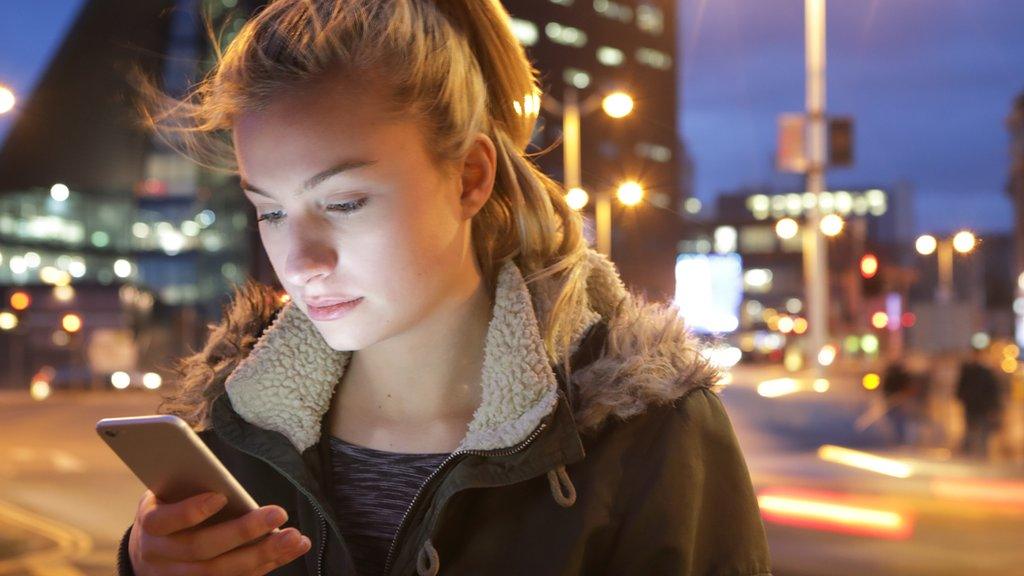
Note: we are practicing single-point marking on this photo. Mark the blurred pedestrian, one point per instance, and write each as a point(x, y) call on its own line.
point(899, 390)
point(978, 390)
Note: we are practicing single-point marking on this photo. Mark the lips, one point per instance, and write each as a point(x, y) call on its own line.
point(332, 311)
point(322, 302)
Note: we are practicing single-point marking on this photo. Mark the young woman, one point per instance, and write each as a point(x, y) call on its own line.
point(455, 384)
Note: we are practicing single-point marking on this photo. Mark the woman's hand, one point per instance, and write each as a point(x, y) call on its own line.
point(164, 539)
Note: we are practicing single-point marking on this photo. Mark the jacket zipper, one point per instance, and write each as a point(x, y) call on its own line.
point(322, 528)
point(498, 452)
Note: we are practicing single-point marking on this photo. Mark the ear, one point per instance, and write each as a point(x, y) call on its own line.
point(478, 174)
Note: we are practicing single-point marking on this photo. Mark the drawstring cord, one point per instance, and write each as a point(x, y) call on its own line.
point(428, 562)
point(558, 478)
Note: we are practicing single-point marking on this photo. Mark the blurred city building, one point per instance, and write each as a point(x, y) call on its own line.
point(1015, 189)
point(94, 204)
point(99, 218)
point(884, 296)
point(598, 47)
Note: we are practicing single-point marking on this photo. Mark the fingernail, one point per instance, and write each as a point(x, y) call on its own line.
point(274, 516)
point(291, 539)
point(304, 544)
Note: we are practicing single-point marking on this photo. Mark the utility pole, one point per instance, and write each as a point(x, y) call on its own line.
point(815, 247)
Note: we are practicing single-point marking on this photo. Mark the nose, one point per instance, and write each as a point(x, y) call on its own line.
point(308, 260)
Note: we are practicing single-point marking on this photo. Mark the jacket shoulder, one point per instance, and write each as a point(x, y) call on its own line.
point(199, 377)
point(650, 358)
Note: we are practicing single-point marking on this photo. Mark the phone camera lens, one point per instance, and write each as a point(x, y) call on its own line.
point(110, 433)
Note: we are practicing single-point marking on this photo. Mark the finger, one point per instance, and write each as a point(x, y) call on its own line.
point(277, 550)
point(211, 541)
point(163, 519)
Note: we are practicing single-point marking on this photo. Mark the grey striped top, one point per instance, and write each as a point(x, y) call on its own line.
point(371, 490)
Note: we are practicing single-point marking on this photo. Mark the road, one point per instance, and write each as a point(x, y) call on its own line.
point(65, 498)
point(962, 518)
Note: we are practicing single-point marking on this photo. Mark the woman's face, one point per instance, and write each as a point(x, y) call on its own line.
point(352, 207)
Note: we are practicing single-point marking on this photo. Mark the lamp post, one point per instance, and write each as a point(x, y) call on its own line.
point(815, 248)
point(962, 242)
point(615, 105)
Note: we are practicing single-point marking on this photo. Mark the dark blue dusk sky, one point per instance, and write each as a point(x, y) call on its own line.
point(929, 83)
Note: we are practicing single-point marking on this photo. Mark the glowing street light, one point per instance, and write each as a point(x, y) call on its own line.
point(630, 193)
point(617, 104)
point(964, 242)
point(577, 198)
point(926, 245)
point(832, 225)
point(787, 228)
point(7, 99)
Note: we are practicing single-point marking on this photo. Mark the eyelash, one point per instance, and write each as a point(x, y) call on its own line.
point(273, 218)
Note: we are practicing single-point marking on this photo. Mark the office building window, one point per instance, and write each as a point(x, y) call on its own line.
point(614, 10)
point(654, 58)
point(650, 19)
point(610, 56)
point(576, 77)
point(655, 152)
point(566, 35)
point(757, 240)
point(525, 31)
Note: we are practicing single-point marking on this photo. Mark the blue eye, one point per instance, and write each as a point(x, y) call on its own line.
point(270, 217)
point(344, 209)
point(348, 207)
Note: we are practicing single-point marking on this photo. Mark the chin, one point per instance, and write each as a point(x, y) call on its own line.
point(342, 342)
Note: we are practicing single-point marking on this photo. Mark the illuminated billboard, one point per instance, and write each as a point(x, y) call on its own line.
point(709, 290)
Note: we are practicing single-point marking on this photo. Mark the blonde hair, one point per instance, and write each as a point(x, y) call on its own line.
point(454, 66)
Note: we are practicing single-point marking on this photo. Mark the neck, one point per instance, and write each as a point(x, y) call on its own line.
point(428, 374)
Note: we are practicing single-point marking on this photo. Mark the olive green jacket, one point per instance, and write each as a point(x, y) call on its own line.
point(628, 466)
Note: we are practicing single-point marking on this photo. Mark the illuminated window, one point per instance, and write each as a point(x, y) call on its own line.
point(650, 19)
point(654, 58)
point(610, 56)
point(576, 77)
point(654, 152)
point(757, 280)
point(566, 35)
point(614, 10)
point(525, 31)
point(757, 240)
point(725, 239)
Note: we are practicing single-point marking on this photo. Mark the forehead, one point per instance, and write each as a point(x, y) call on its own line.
point(300, 133)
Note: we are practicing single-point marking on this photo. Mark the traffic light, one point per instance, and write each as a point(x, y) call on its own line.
point(840, 141)
point(871, 275)
point(869, 266)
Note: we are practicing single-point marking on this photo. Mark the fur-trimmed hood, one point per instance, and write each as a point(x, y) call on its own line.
point(280, 374)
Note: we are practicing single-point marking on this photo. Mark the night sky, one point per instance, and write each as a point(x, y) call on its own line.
point(929, 83)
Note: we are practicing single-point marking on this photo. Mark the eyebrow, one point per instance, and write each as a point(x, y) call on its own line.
point(316, 179)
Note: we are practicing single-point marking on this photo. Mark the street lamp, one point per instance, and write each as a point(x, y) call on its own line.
point(616, 104)
point(787, 228)
point(7, 99)
point(963, 242)
point(630, 193)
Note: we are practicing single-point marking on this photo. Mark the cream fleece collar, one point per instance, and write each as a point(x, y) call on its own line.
point(286, 383)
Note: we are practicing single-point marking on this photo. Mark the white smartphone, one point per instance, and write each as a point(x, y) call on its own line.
point(172, 461)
